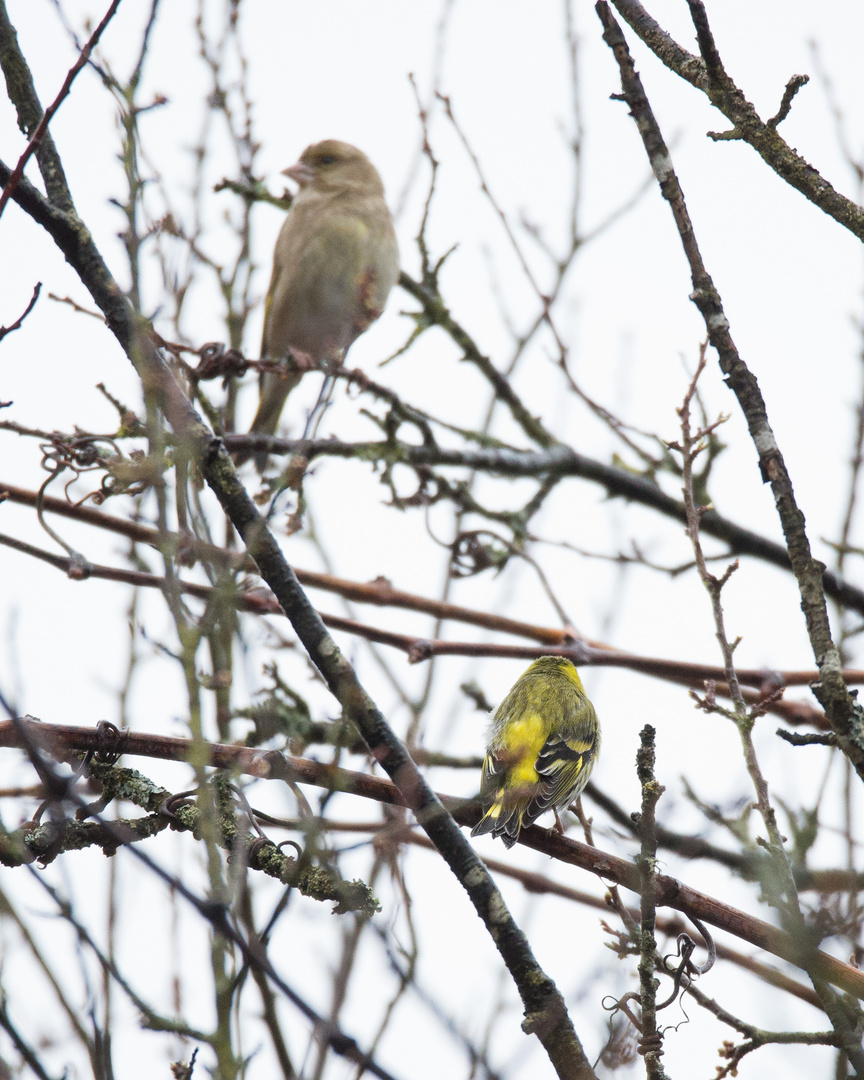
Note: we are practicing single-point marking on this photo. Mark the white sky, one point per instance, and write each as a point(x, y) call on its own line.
point(790, 279)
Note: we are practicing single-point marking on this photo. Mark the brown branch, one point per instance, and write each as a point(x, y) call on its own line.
point(545, 1012)
point(184, 548)
point(61, 740)
point(554, 461)
point(749, 864)
point(539, 884)
point(261, 601)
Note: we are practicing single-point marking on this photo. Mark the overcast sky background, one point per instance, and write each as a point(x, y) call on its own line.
point(790, 279)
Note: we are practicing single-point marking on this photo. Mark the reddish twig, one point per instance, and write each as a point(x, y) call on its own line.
point(61, 740)
point(4, 330)
point(42, 126)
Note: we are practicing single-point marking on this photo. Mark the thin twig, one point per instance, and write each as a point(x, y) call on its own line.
point(37, 135)
point(842, 711)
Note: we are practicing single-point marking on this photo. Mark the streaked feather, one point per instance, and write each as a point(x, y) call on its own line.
point(543, 741)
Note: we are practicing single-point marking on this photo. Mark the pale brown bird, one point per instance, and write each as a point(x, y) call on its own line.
point(335, 261)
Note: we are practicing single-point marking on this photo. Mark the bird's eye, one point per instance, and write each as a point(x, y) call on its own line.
point(327, 159)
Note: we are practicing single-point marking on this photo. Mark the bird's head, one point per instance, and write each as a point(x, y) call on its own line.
point(334, 166)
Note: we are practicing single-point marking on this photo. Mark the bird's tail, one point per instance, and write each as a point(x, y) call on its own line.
point(500, 821)
point(274, 393)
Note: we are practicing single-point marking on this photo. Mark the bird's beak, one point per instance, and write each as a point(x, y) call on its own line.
point(303, 174)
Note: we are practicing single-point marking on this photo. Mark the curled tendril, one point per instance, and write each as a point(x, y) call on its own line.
point(110, 742)
point(294, 844)
point(479, 550)
point(682, 971)
point(174, 802)
point(217, 361)
point(686, 947)
point(248, 811)
point(615, 1005)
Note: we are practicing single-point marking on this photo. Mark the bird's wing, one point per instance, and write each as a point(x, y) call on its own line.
point(563, 766)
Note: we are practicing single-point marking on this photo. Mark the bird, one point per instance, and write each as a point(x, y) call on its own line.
point(335, 261)
point(544, 739)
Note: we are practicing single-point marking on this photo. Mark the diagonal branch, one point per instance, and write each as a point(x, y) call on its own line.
point(61, 739)
point(42, 126)
point(545, 1012)
point(707, 74)
point(582, 651)
point(555, 461)
point(844, 715)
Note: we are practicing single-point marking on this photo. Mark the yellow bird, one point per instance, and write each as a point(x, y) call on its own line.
point(543, 742)
point(335, 261)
